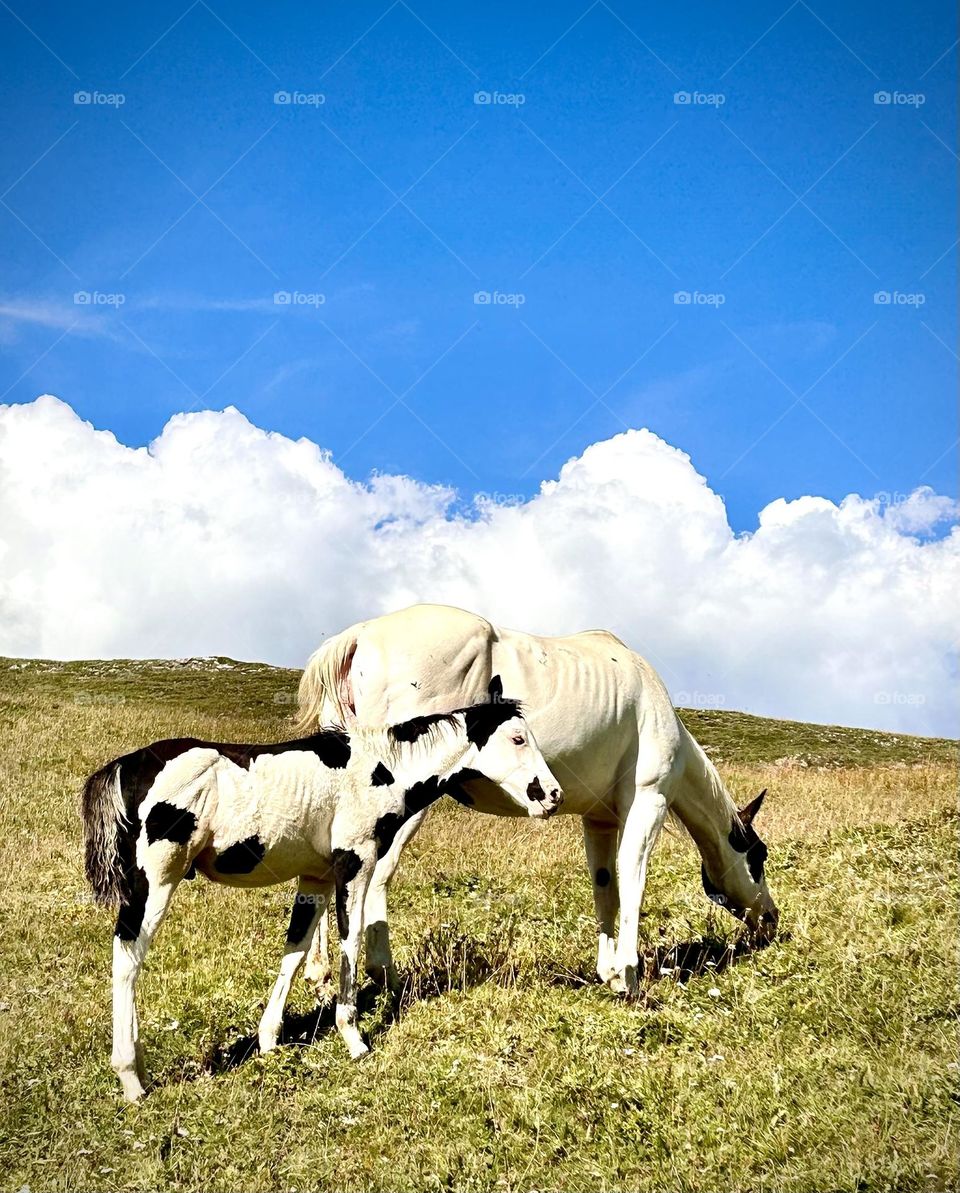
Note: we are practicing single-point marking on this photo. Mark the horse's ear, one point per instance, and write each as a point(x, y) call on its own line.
point(495, 690)
point(747, 814)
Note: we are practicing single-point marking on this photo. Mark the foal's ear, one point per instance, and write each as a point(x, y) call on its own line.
point(747, 814)
point(495, 690)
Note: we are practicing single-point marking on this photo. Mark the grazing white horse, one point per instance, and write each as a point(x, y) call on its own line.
point(608, 730)
point(322, 809)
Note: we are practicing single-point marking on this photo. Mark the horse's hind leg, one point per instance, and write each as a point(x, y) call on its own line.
point(309, 907)
point(137, 923)
point(600, 842)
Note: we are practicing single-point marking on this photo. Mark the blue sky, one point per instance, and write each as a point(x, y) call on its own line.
point(782, 197)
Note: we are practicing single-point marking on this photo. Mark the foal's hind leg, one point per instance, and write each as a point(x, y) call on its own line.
point(309, 907)
point(137, 924)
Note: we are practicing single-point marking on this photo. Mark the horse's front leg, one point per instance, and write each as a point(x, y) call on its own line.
point(353, 869)
point(642, 824)
point(380, 964)
point(600, 842)
point(309, 907)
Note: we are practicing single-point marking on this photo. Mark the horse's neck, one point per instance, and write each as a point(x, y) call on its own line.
point(702, 802)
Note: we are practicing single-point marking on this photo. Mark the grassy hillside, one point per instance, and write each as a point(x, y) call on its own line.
point(826, 1061)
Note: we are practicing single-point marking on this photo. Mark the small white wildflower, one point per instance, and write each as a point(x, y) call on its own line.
point(714, 992)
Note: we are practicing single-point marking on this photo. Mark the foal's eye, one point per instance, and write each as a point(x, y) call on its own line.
point(518, 740)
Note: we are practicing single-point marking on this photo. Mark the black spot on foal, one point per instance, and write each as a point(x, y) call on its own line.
point(301, 917)
point(385, 830)
point(381, 777)
point(167, 822)
point(241, 858)
point(454, 786)
point(602, 876)
point(130, 919)
point(346, 866)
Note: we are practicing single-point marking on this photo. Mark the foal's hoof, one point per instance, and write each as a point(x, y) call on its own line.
point(322, 990)
point(267, 1041)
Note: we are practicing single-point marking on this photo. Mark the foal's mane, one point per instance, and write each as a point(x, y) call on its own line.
point(477, 722)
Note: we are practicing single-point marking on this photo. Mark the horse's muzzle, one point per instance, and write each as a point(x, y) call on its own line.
point(765, 929)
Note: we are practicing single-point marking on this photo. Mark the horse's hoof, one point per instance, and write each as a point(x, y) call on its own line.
point(386, 977)
point(624, 982)
point(133, 1091)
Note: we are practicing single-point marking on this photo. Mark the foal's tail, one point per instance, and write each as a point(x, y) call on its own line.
point(326, 694)
point(108, 834)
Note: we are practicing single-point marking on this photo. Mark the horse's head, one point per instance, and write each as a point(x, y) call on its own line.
point(739, 883)
point(503, 770)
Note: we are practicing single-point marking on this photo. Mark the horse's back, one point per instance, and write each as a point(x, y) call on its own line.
point(418, 661)
point(597, 709)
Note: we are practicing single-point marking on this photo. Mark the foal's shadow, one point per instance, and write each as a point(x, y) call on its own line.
point(447, 959)
point(299, 1029)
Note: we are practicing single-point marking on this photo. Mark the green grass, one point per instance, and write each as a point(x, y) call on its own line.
point(828, 1061)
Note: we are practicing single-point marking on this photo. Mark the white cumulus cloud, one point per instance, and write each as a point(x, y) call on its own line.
point(222, 538)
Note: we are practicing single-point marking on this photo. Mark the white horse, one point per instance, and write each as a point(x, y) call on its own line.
point(321, 809)
point(608, 730)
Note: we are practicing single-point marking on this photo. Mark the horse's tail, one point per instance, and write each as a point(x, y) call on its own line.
point(109, 833)
point(326, 695)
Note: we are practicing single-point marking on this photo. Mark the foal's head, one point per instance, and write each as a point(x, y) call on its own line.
point(739, 884)
point(503, 770)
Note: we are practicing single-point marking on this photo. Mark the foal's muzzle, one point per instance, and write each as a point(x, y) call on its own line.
point(550, 800)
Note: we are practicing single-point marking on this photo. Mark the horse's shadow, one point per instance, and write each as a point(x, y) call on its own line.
point(680, 963)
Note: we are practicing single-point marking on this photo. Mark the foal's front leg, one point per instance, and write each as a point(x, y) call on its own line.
point(352, 869)
point(308, 908)
point(380, 964)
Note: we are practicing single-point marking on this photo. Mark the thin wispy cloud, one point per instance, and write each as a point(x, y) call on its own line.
point(76, 318)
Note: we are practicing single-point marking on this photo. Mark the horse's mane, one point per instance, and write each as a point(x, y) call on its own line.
point(711, 790)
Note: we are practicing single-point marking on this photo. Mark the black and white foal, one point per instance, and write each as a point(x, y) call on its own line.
point(320, 809)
